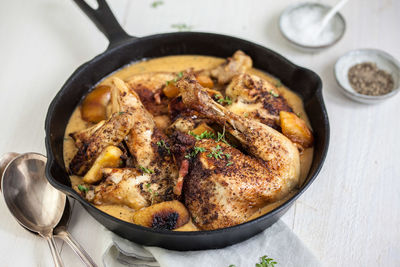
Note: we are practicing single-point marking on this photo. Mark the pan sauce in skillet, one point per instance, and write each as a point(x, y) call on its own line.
point(177, 64)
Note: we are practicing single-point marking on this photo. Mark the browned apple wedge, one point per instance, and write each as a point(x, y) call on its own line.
point(296, 129)
point(94, 106)
point(165, 215)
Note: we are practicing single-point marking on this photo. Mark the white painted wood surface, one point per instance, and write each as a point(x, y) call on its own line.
point(350, 216)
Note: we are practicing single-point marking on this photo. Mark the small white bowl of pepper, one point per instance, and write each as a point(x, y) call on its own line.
point(368, 75)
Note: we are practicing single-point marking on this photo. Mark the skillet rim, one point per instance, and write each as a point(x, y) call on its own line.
point(69, 191)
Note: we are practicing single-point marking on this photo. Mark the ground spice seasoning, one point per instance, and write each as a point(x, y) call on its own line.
point(367, 79)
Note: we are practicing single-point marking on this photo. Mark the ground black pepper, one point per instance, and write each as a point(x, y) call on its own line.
point(367, 79)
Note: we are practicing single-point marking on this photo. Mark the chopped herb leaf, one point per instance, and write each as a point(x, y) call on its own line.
point(181, 27)
point(229, 163)
point(203, 135)
point(245, 114)
point(278, 83)
point(232, 265)
point(83, 188)
point(180, 75)
point(121, 112)
point(222, 100)
point(216, 152)
point(195, 151)
point(227, 155)
point(155, 4)
point(162, 144)
point(145, 170)
point(273, 94)
point(266, 262)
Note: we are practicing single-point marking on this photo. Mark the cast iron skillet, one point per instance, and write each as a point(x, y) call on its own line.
point(124, 49)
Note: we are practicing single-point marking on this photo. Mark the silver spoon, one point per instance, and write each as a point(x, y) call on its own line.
point(61, 229)
point(33, 202)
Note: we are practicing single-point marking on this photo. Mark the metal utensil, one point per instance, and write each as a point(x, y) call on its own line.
point(60, 230)
point(33, 202)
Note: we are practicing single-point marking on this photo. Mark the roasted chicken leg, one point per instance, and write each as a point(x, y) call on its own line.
point(221, 194)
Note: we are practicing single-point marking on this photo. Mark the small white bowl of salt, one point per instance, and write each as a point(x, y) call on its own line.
point(312, 27)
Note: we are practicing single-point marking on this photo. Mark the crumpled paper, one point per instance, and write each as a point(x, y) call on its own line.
point(277, 242)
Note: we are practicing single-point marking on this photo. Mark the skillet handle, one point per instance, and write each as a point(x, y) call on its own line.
point(105, 21)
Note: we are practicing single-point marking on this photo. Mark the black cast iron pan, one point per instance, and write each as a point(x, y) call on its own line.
point(124, 49)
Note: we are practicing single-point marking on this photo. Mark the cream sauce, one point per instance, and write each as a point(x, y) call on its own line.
point(176, 64)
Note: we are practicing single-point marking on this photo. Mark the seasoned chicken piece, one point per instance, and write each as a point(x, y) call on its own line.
point(221, 190)
point(256, 99)
point(124, 186)
point(93, 141)
point(149, 86)
point(149, 146)
point(234, 65)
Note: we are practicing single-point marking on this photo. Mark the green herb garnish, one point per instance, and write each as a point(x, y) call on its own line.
point(222, 100)
point(203, 135)
point(121, 112)
point(278, 83)
point(145, 170)
point(227, 155)
point(273, 94)
point(216, 152)
point(162, 144)
point(155, 4)
point(180, 75)
point(229, 163)
point(83, 188)
point(181, 27)
point(266, 262)
point(195, 151)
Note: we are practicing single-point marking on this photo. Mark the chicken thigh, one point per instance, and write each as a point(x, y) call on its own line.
point(222, 190)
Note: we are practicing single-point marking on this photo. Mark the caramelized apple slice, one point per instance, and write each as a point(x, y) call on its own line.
point(205, 81)
point(165, 215)
point(94, 106)
point(109, 158)
point(296, 129)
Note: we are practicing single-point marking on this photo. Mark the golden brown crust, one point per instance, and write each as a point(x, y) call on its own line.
point(163, 216)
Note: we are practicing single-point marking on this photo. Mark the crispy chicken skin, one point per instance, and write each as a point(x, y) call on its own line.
point(269, 173)
point(149, 148)
point(124, 186)
point(92, 142)
point(148, 87)
point(234, 65)
point(256, 99)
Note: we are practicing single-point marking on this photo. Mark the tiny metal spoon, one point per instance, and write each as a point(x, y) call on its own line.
point(32, 201)
point(60, 230)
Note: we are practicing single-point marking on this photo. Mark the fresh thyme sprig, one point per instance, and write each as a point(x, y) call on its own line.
point(180, 74)
point(203, 135)
point(155, 4)
point(145, 170)
point(216, 152)
point(195, 151)
point(274, 94)
point(182, 26)
point(83, 188)
point(222, 100)
point(266, 262)
point(162, 144)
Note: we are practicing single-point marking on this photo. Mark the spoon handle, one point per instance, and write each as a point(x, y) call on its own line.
point(76, 247)
point(54, 252)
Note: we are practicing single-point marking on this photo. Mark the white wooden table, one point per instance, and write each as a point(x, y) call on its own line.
point(350, 216)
